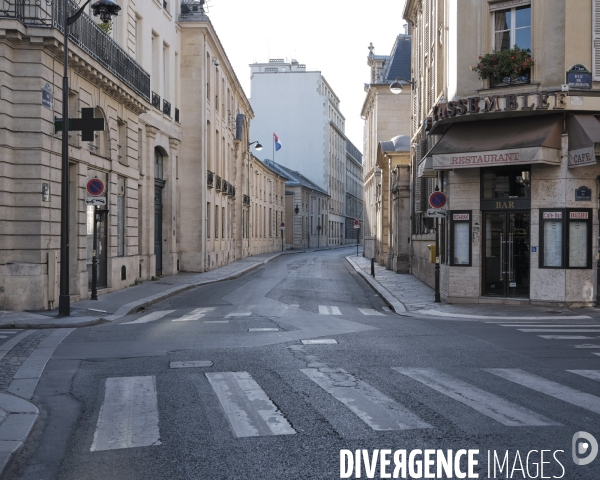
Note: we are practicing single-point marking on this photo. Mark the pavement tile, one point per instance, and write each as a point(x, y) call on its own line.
point(17, 426)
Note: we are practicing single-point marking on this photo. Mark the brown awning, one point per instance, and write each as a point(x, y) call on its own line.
point(584, 140)
point(507, 141)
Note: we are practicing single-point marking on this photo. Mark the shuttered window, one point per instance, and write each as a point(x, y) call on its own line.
point(596, 39)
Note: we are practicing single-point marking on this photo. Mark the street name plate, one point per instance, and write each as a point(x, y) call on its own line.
point(437, 213)
point(95, 201)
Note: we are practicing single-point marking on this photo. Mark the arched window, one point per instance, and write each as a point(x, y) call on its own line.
point(158, 164)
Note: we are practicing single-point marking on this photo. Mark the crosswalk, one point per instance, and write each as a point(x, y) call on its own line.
point(130, 416)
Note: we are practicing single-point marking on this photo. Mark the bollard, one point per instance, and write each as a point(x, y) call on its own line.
point(373, 267)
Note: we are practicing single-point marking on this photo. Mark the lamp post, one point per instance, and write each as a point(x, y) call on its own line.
point(396, 86)
point(258, 146)
point(104, 8)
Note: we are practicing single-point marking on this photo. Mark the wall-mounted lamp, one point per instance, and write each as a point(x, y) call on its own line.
point(216, 61)
point(296, 209)
point(258, 146)
point(396, 86)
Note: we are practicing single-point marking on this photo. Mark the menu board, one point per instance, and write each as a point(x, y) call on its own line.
point(553, 238)
point(461, 243)
point(578, 247)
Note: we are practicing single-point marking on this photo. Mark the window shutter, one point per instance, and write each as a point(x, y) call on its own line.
point(417, 179)
point(596, 39)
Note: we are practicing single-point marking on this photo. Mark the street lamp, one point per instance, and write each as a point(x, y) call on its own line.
point(396, 86)
point(258, 147)
point(105, 9)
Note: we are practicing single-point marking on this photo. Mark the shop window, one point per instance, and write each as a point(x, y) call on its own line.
point(566, 238)
point(460, 239)
point(506, 183)
point(512, 27)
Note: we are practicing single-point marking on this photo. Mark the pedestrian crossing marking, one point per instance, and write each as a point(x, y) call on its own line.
point(558, 330)
point(565, 337)
point(195, 314)
point(249, 410)
point(593, 374)
point(3, 336)
point(369, 311)
point(548, 387)
point(216, 321)
point(238, 314)
point(493, 406)
point(555, 326)
point(320, 341)
point(325, 310)
point(150, 317)
point(589, 345)
point(263, 329)
point(129, 414)
point(377, 410)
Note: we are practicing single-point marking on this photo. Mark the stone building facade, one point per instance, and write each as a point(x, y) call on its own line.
point(354, 193)
point(515, 154)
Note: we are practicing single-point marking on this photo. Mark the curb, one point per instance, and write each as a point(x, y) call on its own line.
point(396, 305)
point(20, 418)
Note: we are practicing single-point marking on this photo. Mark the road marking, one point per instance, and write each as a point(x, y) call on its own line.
point(249, 410)
point(129, 415)
point(548, 387)
point(3, 336)
point(238, 314)
point(593, 374)
point(263, 329)
point(150, 317)
point(9, 344)
point(493, 406)
point(493, 317)
point(369, 311)
point(96, 310)
point(595, 353)
point(320, 341)
point(370, 405)
point(558, 330)
point(195, 314)
point(565, 337)
point(216, 321)
point(192, 364)
point(587, 346)
point(555, 326)
point(325, 310)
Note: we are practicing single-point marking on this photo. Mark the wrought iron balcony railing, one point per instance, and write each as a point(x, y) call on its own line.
point(166, 108)
point(155, 100)
point(177, 115)
point(231, 191)
point(225, 187)
point(218, 187)
point(86, 34)
point(246, 200)
point(210, 179)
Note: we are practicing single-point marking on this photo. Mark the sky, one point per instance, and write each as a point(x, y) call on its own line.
point(332, 36)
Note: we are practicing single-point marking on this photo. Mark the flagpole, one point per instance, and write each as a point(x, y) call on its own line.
point(273, 149)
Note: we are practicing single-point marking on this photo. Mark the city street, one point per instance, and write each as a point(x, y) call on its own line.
point(125, 400)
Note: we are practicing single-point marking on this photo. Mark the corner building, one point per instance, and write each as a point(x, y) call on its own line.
point(515, 156)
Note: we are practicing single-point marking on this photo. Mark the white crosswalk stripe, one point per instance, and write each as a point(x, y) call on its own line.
point(565, 337)
point(249, 410)
point(553, 326)
point(369, 311)
point(370, 405)
point(548, 387)
point(559, 330)
point(325, 310)
point(493, 406)
point(151, 317)
point(194, 314)
point(593, 374)
point(129, 415)
point(589, 345)
point(238, 314)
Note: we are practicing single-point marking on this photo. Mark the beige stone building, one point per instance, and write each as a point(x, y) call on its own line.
point(386, 116)
point(515, 154)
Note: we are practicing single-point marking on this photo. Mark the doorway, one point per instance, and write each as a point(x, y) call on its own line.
point(506, 254)
point(102, 253)
point(159, 184)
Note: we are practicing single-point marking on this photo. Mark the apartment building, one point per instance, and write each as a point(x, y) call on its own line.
point(354, 193)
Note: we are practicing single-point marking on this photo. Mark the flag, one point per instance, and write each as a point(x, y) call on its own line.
point(277, 143)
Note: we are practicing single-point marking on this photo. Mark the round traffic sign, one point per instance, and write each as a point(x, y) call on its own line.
point(356, 222)
point(95, 187)
point(437, 199)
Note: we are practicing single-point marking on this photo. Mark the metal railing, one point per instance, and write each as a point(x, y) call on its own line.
point(246, 199)
point(218, 187)
point(155, 100)
point(177, 115)
point(85, 33)
point(166, 108)
point(225, 187)
point(210, 179)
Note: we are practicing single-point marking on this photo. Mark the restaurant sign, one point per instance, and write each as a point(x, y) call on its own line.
point(501, 157)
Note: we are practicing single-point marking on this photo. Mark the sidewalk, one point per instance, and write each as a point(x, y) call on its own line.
point(407, 295)
point(115, 305)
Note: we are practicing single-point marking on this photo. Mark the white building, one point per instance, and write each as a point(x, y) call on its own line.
point(301, 108)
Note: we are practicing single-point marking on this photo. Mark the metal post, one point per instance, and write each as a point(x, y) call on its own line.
point(373, 267)
point(282, 239)
point(437, 262)
point(598, 279)
point(64, 299)
point(357, 239)
point(95, 257)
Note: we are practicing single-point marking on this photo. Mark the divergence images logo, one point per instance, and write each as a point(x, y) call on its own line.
point(586, 445)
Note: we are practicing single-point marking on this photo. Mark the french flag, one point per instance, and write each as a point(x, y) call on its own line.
point(277, 143)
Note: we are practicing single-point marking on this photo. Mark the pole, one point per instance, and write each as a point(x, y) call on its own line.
point(357, 237)
point(64, 299)
point(437, 256)
point(95, 257)
point(282, 239)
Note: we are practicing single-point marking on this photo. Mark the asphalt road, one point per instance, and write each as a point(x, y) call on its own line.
point(271, 407)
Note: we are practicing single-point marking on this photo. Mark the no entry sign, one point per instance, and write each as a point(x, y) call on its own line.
point(437, 199)
point(95, 187)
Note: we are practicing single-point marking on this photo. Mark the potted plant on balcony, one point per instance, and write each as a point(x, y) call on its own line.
point(505, 67)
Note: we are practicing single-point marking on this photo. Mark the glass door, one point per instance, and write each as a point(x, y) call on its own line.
point(506, 254)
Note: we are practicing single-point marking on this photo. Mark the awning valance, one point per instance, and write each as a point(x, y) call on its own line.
point(507, 141)
point(425, 168)
point(584, 140)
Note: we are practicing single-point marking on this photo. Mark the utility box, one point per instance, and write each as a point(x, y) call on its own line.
point(432, 253)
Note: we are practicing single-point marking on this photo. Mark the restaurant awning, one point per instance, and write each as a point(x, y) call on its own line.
point(584, 140)
point(507, 141)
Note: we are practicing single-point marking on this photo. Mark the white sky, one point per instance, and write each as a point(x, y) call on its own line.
point(330, 35)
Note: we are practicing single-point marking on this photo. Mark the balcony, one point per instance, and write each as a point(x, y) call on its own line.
point(210, 179)
point(225, 188)
point(246, 200)
point(166, 108)
point(230, 190)
point(192, 6)
point(507, 81)
point(86, 34)
point(155, 100)
point(218, 187)
point(177, 115)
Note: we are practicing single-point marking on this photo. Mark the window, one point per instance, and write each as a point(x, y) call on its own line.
point(216, 221)
point(120, 217)
point(158, 164)
point(223, 222)
point(460, 239)
point(122, 145)
point(566, 238)
point(512, 27)
point(208, 212)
